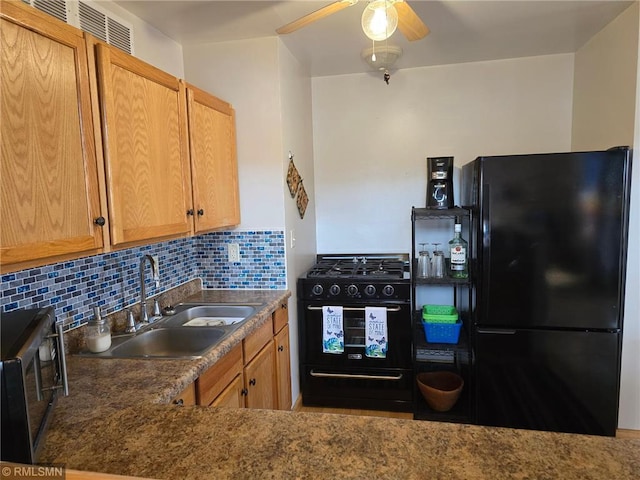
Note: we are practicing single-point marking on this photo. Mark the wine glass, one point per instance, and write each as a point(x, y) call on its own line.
point(424, 263)
point(437, 263)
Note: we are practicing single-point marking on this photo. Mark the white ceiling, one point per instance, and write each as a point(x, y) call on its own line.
point(461, 31)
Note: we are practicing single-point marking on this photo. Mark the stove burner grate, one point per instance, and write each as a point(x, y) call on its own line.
point(358, 267)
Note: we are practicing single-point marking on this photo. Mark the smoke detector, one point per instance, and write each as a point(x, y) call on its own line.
point(385, 56)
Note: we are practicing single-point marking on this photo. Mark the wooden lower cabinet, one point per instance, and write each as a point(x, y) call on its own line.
point(260, 380)
point(232, 396)
point(256, 373)
point(213, 382)
point(283, 368)
point(187, 396)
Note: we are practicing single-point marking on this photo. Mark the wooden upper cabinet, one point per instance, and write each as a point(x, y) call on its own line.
point(144, 130)
point(49, 190)
point(214, 163)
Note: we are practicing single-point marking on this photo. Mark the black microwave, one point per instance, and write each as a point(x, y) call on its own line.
point(33, 372)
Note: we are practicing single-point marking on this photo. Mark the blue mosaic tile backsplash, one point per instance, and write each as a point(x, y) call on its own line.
point(111, 280)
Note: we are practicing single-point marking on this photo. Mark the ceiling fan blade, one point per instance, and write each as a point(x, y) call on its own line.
point(315, 16)
point(409, 22)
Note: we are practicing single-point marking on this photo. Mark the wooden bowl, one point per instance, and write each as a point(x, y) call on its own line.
point(441, 390)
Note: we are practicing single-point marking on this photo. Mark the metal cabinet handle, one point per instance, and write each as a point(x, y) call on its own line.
point(244, 392)
point(252, 382)
point(200, 212)
point(281, 348)
point(190, 212)
point(100, 221)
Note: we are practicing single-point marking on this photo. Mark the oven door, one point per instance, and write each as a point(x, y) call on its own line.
point(398, 330)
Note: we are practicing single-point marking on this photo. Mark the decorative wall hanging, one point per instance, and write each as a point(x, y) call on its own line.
point(302, 200)
point(293, 177)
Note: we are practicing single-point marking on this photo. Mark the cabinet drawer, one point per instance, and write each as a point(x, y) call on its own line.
point(257, 340)
point(280, 318)
point(212, 382)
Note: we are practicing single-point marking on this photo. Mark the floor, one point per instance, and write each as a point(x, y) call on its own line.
point(298, 407)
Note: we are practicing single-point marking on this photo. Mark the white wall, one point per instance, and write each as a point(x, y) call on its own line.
point(630, 384)
point(371, 140)
point(150, 44)
point(606, 114)
point(297, 134)
point(605, 85)
point(271, 93)
point(245, 73)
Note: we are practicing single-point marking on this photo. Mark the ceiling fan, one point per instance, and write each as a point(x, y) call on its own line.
point(407, 20)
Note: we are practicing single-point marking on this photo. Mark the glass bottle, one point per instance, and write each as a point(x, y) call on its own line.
point(98, 335)
point(458, 254)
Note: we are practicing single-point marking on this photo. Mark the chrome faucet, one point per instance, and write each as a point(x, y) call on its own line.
point(144, 316)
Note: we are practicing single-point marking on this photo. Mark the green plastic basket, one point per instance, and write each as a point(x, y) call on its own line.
point(439, 314)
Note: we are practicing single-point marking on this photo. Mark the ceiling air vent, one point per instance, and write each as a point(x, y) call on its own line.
point(91, 18)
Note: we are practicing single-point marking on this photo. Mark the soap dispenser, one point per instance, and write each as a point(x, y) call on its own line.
point(98, 334)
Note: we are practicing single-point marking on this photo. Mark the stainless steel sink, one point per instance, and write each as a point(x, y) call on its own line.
point(190, 332)
point(210, 315)
point(168, 343)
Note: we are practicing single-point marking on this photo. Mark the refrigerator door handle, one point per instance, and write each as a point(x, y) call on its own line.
point(485, 248)
point(496, 331)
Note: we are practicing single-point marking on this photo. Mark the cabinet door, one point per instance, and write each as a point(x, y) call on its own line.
point(48, 167)
point(259, 380)
point(213, 161)
point(145, 148)
point(283, 368)
point(187, 396)
point(232, 396)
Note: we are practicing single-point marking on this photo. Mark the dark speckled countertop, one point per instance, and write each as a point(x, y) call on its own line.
point(118, 419)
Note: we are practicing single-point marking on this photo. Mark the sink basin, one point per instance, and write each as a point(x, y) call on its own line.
point(210, 315)
point(169, 343)
point(208, 325)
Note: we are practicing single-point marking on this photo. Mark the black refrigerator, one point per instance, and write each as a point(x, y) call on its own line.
point(550, 243)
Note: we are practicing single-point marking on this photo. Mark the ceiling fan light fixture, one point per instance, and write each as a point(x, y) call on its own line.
point(379, 20)
point(385, 56)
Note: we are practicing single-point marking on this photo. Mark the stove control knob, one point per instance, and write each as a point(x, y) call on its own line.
point(334, 289)
point(317, 289)
point(370, 290)
point(352, 290)
point(388, 290)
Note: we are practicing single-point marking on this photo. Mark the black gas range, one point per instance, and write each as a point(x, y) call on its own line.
point(351, 378)
point(358, 277)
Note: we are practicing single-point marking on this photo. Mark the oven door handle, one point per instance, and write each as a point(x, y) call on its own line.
point(350, 375)
point(355, 309)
